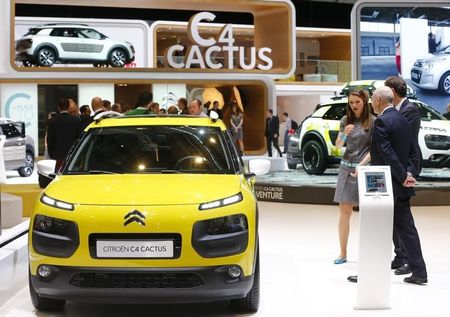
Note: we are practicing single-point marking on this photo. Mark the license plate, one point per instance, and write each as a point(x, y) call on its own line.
point(134, 248)
point(414, 75)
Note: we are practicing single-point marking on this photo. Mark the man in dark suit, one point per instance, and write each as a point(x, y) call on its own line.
point(393, 145)
point(408, 110)
point(63, 130)
point(272, 132)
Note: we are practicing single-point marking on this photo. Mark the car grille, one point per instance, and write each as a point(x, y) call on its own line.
point(437, 142)
point(416, 75)
point(136, 280)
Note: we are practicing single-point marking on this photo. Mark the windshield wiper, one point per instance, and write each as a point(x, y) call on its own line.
point(100, 172)
point(170, 171)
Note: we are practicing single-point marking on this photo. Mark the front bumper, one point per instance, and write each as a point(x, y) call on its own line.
point(423, 78)
point(142, 285)
point(437, 161)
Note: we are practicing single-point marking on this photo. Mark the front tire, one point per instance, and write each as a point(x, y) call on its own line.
point(249, 303)
point(313, 158)
point(117, 58)
point(46, 57)
point(444, 84)
point(42, 303)
point(27, 170)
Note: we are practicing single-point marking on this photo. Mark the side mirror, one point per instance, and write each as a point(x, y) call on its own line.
point(251, 178)
point(213, 115)
point(44, 180)
point(45, 172)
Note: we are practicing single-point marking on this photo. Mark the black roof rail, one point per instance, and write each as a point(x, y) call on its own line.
point(64, 23)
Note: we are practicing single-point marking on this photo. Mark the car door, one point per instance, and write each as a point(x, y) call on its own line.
point(66, 40)
point(91, 44)
point(15, 145)
point(434, 133)
point(331, 123)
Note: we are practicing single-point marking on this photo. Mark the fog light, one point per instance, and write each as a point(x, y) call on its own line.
point(44, 271)
point(234, 271)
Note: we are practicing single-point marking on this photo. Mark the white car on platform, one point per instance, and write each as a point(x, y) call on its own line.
point(48, 44)
point(433, 72)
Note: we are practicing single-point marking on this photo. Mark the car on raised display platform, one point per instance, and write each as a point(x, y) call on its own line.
point(433, 72)
point(314, 143)
point(48, 44)
point(369, 85)
point(147, 209)
point(18, 150)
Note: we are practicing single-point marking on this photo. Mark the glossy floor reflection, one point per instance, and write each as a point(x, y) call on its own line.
point(298, 277)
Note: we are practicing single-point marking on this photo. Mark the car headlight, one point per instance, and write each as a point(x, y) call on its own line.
point(56, 203)
point(50, 225)
point(221, 202)
point(428, 65)
point(224, 225)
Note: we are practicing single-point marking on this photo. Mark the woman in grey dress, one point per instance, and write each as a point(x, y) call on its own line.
point(237, 120)
point(355, 133)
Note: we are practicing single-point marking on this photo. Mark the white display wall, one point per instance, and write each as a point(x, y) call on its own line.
point(88, 91)
point(414, 43)
point(168, 94)
point(19, 102)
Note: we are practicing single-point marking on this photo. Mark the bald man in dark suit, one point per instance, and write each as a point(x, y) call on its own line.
point(393, 145)
point(408, 110)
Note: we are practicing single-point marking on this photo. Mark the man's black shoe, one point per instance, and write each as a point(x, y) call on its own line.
point(416, 280)
point(395, 264)
point(353, 278)
point(404, 269)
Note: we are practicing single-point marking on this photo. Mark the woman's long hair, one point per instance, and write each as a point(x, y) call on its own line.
point(365, 114)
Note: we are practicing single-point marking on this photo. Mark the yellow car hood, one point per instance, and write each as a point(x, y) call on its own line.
point(151, 189)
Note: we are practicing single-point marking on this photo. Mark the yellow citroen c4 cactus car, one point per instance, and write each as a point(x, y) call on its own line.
point(149, 209)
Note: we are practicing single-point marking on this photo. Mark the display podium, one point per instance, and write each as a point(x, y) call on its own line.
point(376, 211)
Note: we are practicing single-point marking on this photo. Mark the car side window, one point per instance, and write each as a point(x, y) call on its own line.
point(10, 131)
point(336, 112)
point(58, 32)
point(90, 34)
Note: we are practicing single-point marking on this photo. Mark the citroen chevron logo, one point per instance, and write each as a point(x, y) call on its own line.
point(134, 216)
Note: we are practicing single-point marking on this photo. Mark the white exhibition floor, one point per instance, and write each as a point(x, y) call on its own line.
point(298, 277)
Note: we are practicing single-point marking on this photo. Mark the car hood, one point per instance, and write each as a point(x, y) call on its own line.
point(436, 127)
point(152, 189)
point(435, 58)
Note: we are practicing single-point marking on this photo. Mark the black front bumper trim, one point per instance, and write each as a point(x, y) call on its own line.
point(216, 285)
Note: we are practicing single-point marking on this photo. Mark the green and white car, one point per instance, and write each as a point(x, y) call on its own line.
point(316, 137)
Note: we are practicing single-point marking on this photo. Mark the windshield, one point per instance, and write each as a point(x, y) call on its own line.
point(428, 113)
point(152, 149)
point(32, 31)
point(445, 50)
